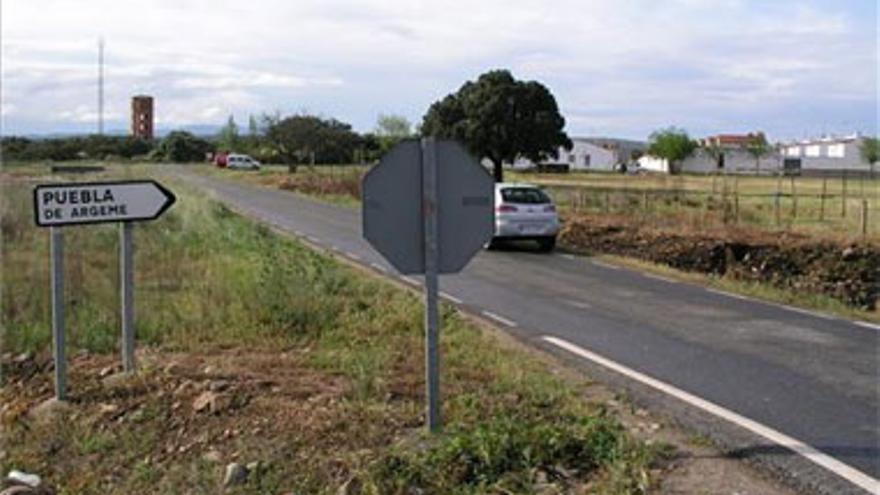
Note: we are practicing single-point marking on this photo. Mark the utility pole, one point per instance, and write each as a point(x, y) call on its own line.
point(101, 85)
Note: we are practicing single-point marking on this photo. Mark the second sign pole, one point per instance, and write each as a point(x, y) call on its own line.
point(126, 296)
point(432, 351)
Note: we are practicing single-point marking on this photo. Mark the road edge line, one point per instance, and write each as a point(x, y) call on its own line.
point(849, 473)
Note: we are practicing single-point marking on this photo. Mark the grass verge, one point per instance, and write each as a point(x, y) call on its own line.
point(314, 371)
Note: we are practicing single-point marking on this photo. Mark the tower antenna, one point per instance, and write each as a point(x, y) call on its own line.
point(101, 85)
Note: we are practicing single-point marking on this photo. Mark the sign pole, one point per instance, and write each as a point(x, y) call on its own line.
point(56, 248)
point(126, 251)
point(429, 212)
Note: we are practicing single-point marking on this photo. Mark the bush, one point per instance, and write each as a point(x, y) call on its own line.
point(182, 146)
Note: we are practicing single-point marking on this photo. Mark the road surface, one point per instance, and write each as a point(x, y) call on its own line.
point(794, 391)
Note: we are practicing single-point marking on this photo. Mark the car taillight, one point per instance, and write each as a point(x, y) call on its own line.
point(549, 208)
point(505, 209)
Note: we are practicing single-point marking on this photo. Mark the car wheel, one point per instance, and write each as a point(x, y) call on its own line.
point(493, 244)
point(547, 244)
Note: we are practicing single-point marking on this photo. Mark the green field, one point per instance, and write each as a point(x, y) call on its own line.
point(221, 299)
point(821, 207)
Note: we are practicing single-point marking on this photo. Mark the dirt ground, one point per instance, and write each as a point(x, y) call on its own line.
point(188, 415)
point(848, 271)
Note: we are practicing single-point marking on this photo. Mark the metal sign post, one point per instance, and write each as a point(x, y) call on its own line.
point(432, 353)
point(56, 205)
point(126, 295)
point(56, 248)
point(428, 209)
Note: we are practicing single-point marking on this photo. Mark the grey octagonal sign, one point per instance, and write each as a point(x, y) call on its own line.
point(393, 208)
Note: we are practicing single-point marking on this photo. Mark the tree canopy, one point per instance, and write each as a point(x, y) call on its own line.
point(228, 138)
point(673, 145)
point(500, 118)
point(870, 150)
point(302, 138)
point(182, 146)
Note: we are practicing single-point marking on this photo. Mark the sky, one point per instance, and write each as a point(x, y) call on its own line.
point(620, 68)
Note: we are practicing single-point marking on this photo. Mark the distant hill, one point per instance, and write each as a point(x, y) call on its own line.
point(201, 130)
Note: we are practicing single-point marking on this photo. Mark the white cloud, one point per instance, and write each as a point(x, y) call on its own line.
point(698, 63)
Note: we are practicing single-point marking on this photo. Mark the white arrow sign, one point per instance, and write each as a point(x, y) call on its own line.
point(99, 202)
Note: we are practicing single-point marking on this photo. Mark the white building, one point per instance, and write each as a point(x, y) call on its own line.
point(826, 155)
point(589, 153)
point(732, 161)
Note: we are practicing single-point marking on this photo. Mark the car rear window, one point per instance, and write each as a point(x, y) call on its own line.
point(524, 195)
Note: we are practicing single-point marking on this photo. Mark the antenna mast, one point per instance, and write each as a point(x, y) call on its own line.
point(101, 85)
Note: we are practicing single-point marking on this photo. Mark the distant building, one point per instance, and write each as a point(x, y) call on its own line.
point(142, 117)
point(826, 155)
point(590, 153)
point(731, 141)
point(731, 155)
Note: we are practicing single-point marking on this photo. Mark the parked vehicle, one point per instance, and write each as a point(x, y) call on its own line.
point(524, 212)
point(220, 159)
point(234, 160)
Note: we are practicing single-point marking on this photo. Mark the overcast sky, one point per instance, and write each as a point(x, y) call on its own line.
point(617, 67)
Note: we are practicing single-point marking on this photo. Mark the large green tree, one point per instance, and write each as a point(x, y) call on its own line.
point(310, 139)
point(673, 145)
point(228, 138)
point(758, 147)
point(500, 118)
point(390, 130)
point(182, 146)
point(870, 151)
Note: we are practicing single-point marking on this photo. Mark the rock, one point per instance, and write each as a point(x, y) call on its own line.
point(106, 371)
point(19, 490)
point(212, 456)
point(50, 409)
point(848, 254)
point(212, 402)
point(236, 474)
point(23, 358)
point(107, 408)
point(253, 467)
point(218, 385)
point(22, 478)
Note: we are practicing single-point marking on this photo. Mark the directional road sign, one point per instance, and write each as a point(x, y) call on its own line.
point(100, 202)
point(394, 207)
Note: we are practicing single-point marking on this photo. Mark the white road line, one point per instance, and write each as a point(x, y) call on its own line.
point(577, 304)
point(410, 280)
point(659, 277)
point(807, 312)
point(867, 325)
point(605, 265)
point(872, 485)
point(379, 267)
point(499, 318)
point(567, 256)
point(450, 297)
point(352, 255)
point(728, 294)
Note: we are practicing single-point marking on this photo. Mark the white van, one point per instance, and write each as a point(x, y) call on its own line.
point(241, 161)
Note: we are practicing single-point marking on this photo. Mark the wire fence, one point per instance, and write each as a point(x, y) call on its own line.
point(839, 205)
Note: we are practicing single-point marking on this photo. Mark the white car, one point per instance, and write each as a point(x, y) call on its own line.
point(524, 212)
point(241, 161)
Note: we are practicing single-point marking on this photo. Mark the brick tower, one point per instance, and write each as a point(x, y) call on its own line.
point(142, 117)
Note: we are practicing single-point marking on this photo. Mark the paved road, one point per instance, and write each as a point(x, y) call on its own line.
point(810, 377)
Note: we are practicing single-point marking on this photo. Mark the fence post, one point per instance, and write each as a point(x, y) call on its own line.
point(822, 200)
point(843, 196)
point(864, 218)
point(794, 199)
point(607, 201)
point(736, 200)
